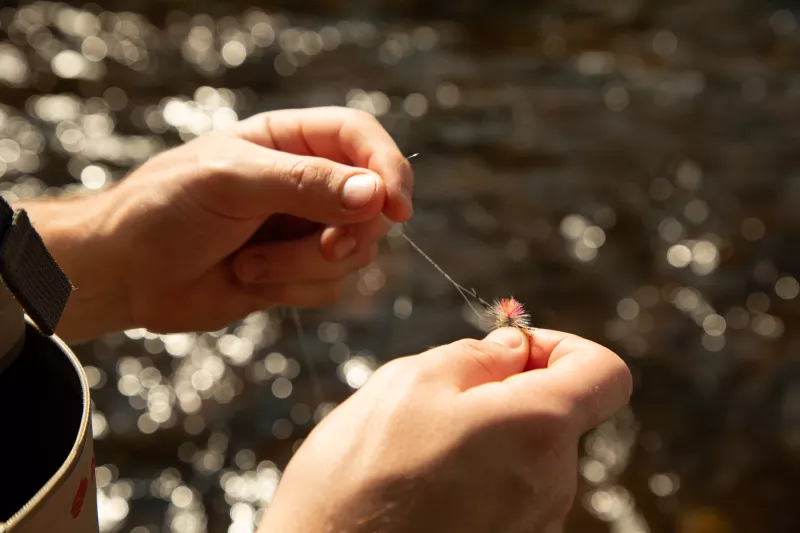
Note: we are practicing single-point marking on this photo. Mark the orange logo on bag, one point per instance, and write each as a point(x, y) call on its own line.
point(77, 503)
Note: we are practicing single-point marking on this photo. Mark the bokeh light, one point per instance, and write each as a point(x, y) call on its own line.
point(627, 172)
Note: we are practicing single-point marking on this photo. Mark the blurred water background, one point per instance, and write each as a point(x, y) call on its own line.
point(629, 169)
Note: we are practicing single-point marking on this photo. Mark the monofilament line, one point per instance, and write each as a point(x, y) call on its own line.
point(463, 291)
point(316, 383)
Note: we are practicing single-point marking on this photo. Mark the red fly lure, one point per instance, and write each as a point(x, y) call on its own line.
point(508, 312)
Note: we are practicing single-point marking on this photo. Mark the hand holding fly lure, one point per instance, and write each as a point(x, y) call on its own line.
point(506, 312)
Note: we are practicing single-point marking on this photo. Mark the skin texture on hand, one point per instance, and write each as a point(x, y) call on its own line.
point(460, 438)
point(277, 210)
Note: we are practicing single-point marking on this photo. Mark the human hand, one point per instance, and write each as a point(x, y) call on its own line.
point(265, 213)
point(475, 436)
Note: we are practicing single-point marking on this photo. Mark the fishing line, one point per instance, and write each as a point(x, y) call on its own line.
point(467, 294)
point(463, 291)
point(316, 383)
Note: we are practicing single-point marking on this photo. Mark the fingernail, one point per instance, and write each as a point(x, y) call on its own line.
point(343, 248)
point(358, 190)
point(508, 337)
point(253, 268)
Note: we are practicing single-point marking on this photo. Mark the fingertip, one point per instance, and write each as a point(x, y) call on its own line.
point(591, 379)
point(365, 237)
point(518, 341)
point(511, 338)
point(249, 266)
point(548, 346)
point(624, 378)
point(540, 349)
point(398, 176)
point(330, 239)
point(398, 208)
point(406, 175)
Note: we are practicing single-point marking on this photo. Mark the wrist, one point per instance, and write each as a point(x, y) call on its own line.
point(77, 233)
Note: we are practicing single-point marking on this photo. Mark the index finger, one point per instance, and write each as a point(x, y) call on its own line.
point(589, 379)
point(340, 134)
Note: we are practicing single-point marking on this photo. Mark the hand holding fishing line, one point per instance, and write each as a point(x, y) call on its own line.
point(474, 437)
point(275, 211)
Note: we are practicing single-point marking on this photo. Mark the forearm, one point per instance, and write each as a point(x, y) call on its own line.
point(76, 233)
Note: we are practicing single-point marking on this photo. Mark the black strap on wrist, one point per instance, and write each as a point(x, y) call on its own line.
point(29, 271)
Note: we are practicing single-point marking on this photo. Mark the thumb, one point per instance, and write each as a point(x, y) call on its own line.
point(266, 181)
point(469, 362)
point(324, 191)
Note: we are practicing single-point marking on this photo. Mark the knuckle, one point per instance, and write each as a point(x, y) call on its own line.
point(468, 346)
point(263, 120)
point(334, 109)
point(392, 369)
point(215, 165)
point(357, 114)
point(215, 157)
point(309, 172)
point(403, 372)
point(392, 373)
point(304, 172)
point(475, 351)
point(360, 117)
point(367, 118)
point(343, 114)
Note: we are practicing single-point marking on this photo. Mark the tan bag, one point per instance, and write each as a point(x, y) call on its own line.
point(46, 456)
point(47, 460)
